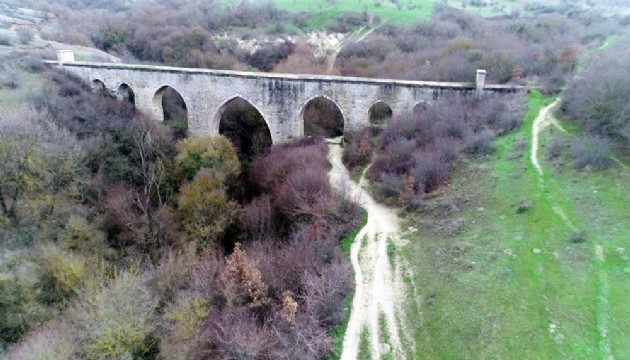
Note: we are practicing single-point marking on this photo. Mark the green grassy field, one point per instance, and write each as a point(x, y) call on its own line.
point(497, 272)
point(25, 83)
point(322, 11)
point(407, 12)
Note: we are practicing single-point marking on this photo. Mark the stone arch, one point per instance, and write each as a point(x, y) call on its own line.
point(124, 92)
point(420, 106)
point(98, 86)
point(172, 109)
point(333, 129)
point(245, 125)
point(379, 113)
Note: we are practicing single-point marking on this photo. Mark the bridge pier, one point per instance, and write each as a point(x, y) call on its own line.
point(357, 118)
point(143, 104)
point(287, 124)
point(200, 118)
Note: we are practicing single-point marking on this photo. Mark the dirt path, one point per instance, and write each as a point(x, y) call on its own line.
point(380, 291)
point(541, 122)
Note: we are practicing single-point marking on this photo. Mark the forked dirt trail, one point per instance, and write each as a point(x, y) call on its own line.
point(376, 314)
point(542, 121)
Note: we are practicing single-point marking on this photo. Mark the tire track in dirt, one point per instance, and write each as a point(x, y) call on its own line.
point(380, 290)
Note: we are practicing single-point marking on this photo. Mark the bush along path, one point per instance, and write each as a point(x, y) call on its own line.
point(375, 328)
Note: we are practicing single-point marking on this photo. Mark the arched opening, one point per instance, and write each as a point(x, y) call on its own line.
point(420, 107)
point(245, 126)
point(98, 87)
point(170, 106)
point(125, 93)
point(380, 112)
point(322, 117)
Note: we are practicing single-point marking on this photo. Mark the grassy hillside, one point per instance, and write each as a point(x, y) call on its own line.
point(512, 265)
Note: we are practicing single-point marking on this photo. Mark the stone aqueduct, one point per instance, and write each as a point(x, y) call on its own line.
point(280, 98)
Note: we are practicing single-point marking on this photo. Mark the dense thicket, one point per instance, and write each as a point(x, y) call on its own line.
point(452, 44)
point(416, 151)
point(598, 97)
point(111, 228)
point(179, 33)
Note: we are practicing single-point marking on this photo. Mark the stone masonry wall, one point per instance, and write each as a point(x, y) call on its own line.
point(280, 98)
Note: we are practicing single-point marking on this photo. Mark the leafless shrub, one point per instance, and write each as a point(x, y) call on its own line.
point(25, 35)
point(501, 115)
point(555, 147)
point(447, 148)
point(591, 153)
point(347, 22)
point(302, 61)
point(235, 334)
point(269, 171)
point(34, 63)
point(452, 44)
point(598, 99)
point(257, 217)
point(268, 56)
point(303, 193)
point(9, 81)
point(430, 172)
point(358, 148)
point(480, 144)
point(52, 341)
point(5, 40)
point(390, 185)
